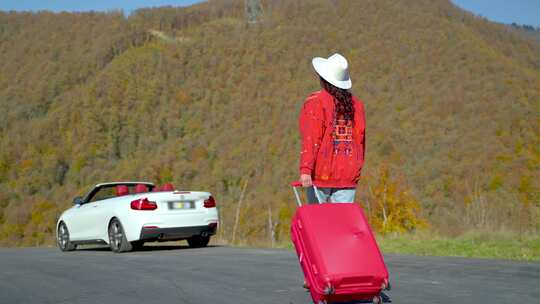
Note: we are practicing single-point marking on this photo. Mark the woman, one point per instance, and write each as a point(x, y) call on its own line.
point(332, 126)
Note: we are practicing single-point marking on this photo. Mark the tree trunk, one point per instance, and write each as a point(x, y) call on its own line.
point(385, 218)
point(271, 227)
point(238, 207)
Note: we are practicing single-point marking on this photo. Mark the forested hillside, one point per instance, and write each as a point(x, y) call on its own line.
point(527, 30)
point(198, 97)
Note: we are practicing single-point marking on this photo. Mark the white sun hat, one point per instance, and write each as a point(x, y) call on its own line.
point(335, 70)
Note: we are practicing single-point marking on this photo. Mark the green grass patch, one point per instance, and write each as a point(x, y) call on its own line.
point(471, 244)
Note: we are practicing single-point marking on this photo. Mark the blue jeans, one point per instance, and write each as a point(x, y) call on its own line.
point(330, 195)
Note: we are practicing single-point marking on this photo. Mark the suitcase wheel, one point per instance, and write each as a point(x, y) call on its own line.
point(329, 290)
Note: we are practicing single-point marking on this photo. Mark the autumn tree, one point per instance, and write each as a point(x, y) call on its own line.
point(391, 207)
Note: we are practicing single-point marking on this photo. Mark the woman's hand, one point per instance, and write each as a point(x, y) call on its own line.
point(305, 179)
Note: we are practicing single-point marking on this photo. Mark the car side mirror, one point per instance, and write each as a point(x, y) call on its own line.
point(78, 201)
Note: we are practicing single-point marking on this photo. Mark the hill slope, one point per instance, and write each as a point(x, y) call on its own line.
point(452, 101)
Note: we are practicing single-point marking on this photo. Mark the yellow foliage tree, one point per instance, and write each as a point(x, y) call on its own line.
point(392, 208)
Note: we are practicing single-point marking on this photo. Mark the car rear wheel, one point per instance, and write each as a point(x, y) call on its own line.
point(198, 241)
point(117, 238)
point(62, 237)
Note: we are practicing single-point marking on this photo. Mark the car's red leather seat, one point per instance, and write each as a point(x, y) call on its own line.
point(140, 188)
point(167, 187)
point(122, 190)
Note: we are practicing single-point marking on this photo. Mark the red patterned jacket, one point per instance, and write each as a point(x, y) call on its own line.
point(333, 149)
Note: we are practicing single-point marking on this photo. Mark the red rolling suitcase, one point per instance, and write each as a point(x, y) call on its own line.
point(338, 253)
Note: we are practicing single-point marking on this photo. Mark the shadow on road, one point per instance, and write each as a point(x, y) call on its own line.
point(170, 247)
point(152, 247)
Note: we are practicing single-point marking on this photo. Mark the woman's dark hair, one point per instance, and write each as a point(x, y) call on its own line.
point(342, 100)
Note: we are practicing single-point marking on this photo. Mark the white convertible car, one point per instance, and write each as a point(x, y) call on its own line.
point(127, 214)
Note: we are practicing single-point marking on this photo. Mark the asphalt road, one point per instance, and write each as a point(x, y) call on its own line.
point(224, 275)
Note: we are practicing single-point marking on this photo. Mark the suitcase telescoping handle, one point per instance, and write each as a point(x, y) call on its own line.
point(297, 184)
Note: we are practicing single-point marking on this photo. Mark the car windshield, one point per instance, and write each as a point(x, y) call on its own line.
point(103, 193)
point(109, 191)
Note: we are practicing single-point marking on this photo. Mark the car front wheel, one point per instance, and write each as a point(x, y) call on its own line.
point(117, 238)
point(198, 241)
point(62, 238)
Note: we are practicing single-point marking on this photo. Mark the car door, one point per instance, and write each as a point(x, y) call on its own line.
point(91, 215)
point(79, 222)
point(99, 216)
point(91, 219)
